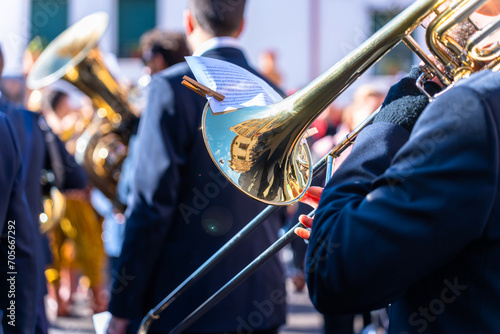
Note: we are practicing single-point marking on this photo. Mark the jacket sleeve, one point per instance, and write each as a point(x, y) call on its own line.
point(17, 245)
point(159, 156)
point(395, 212)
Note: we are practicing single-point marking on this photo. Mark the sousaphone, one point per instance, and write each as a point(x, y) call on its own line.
point(74, 57)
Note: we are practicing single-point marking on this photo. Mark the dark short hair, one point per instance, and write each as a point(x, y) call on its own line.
point(218, 17)
point(55, 97)
point(170, 45)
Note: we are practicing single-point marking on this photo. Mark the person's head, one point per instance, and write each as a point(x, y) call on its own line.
point(267, 60)
point(161, 49)
point(366, 99)
point(205, 19)
point(59, 103)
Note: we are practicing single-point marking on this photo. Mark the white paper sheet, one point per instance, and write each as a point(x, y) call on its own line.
point(101, 321)
point(240, 87)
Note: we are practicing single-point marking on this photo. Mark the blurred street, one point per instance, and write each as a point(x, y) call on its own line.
point(301, 317)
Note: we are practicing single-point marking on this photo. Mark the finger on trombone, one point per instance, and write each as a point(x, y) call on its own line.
point(306, 221)
point(303, 233)
point(312, 196)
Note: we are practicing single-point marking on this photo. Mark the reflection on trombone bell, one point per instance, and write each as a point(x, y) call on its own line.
point(251, 150)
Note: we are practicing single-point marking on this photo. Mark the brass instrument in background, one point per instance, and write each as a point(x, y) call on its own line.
point(74, 57)
point(260, 149)
point(54, 206)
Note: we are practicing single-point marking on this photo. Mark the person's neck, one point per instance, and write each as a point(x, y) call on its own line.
point(198, 38)
point(217, 42)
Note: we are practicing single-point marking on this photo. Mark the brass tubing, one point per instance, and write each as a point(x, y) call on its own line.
point(317, 95)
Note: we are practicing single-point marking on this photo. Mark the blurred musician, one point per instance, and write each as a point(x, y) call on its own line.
point(40, 150)
point(80, 229)
point(183, 210)
point(19, 306)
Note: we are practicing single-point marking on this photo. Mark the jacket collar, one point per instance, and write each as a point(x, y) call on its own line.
point(217, 42)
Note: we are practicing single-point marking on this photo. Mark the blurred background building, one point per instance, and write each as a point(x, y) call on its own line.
point(305, 36)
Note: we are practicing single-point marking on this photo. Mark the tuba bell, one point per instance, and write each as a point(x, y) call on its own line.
point(74, 57)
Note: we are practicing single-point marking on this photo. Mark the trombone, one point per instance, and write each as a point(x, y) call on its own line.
point(154, 313)
point(272, 135)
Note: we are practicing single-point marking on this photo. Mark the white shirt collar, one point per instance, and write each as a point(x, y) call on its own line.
point(217, 42)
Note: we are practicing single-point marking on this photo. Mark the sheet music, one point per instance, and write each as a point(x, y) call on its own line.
point(101, 321)
point(240, 87)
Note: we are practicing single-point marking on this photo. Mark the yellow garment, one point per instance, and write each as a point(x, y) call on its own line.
point(77, 242)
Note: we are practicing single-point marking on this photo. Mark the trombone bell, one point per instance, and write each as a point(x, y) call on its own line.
point(263, 160)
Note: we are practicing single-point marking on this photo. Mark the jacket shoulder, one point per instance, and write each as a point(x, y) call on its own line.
point(483, 82)
point(175, 72)
point(7, 132)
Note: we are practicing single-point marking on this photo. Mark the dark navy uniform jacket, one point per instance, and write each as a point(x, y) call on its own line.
point(18, 280)
point(41, 149)
point(414, 220)
point(183, 210)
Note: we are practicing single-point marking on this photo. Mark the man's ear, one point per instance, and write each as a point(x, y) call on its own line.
point(241, 28)
point(188, 22)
